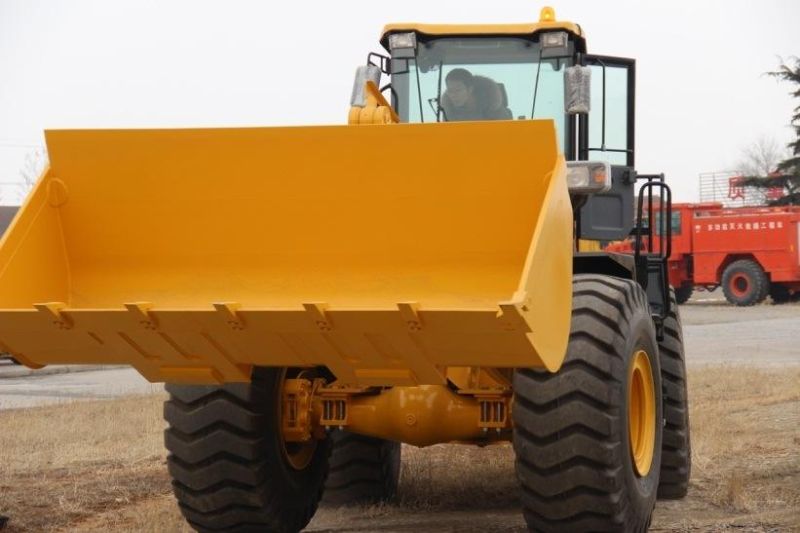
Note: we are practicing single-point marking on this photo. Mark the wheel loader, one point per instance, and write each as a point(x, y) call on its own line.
point(315, 296)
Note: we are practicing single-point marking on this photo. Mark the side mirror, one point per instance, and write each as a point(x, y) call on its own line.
point(363, 75)
point(577, 89)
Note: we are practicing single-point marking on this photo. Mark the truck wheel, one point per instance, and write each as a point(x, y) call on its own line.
point(362, 469)
point(231, 469)
point(588, 437)
point(683, 293)
point(744, 283)
point(780, 294)
point(676, 451)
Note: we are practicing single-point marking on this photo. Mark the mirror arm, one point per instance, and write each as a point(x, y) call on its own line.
point(383, 62)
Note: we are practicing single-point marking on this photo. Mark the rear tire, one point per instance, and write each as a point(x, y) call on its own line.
point(676, 451)
point(230, 468)
point(744, 283)
point(362, 470)
point(780, 294)
point(683, 293)
point(572, 429)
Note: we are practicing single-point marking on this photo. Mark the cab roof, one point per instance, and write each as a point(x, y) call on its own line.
point(524, 30)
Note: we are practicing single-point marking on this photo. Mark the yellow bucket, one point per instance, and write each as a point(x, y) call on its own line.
point(383, 252)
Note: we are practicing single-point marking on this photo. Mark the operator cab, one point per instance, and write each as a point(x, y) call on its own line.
point(442, 73)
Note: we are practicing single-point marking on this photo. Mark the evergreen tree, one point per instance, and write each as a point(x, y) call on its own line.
point(789, 168)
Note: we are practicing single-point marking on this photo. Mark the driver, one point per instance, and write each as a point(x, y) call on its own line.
point(472, 97)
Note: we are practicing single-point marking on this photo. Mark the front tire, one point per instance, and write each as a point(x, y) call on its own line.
point(588, 438)
point(230, 467)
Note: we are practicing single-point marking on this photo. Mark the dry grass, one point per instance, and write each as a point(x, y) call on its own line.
point(745, 452)
point(62, 464)
point(99, 466)
point(729, 412)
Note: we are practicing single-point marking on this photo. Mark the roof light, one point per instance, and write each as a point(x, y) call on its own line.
point(548, 14)
point(554, 39)
point(402, 40)
point(588, 176)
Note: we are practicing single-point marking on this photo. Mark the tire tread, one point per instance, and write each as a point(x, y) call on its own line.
point(676, 453)
point(363, 470)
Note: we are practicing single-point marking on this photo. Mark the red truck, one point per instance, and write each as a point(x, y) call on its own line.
point(751, 252)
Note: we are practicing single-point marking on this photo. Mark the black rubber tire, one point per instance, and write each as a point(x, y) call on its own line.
point(757, 284)
point(362, 470)
point(780, 294)
point(227, 462)
point(683, 293)
point(571, 435)
point(676, 451)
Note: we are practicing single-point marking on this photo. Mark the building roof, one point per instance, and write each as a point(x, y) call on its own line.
point(7, 213)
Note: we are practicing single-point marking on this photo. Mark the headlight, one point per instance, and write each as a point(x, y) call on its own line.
point(588, 176)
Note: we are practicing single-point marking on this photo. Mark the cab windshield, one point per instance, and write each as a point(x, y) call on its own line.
point(454, 79)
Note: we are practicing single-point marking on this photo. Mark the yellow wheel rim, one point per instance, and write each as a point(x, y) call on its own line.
point(299, 454)
point(641, 413)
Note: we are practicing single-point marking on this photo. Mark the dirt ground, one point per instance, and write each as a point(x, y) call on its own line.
point(100, 465)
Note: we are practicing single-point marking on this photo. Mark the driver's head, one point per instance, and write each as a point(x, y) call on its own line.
point(459, 86)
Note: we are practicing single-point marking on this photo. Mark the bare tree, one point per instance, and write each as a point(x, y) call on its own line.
point(32, 168)
point(761, 157)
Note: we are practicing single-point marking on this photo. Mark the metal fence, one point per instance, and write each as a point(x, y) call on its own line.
point(724, 186)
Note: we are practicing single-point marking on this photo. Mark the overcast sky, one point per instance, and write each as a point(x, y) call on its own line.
point(701, 92)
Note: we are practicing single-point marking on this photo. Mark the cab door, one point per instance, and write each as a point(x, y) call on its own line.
point(606, 133)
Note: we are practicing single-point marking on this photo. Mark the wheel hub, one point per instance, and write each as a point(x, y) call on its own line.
point(740, 284)
point(294, 411)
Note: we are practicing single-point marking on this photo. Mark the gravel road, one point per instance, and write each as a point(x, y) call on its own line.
point(763, 335)
point(29, 391)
